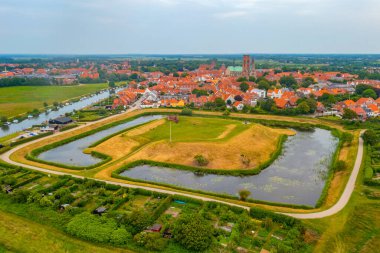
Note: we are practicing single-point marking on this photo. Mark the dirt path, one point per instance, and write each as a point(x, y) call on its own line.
point(331, 211)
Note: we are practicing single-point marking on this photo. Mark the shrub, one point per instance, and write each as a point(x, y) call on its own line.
point(187, 112)
point(226, 113)
point(120, 236)
point(193, 232)
point(45, 202)
point(276, 217)
point(340, 165)
point(21, 196)
point(200, 160)
point(370, 137)
point(96, 229)
point(244, 194)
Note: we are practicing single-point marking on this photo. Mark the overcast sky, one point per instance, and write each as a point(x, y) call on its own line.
point(189, 26)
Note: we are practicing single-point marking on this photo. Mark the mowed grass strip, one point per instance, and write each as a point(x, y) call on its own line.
point(21, 99)
point(18, 234)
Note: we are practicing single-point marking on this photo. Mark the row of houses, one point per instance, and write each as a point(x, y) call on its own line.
point(364, 107)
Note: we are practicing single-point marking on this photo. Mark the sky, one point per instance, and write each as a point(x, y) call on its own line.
point(189, 26)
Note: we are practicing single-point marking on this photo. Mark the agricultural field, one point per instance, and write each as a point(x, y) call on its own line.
point(222, 142)
point(72, 211)
point(19, 100)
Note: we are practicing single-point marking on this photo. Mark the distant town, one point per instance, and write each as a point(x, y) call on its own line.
point(216, 86)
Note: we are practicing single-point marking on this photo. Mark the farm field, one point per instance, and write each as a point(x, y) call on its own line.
point(222, 142)
point(18, 100)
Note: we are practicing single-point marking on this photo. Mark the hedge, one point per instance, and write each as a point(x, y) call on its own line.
point(161, 208)
point(259, 213)
point(27, 181)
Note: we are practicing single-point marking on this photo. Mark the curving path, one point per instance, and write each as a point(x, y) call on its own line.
point(345, 197)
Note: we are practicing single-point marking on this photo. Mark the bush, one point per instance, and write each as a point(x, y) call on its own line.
point(21, 196)
point(187, 112)
point(280, 218)
point(370, 137)
point(244, 194)
point(340, 165)
point(120, 236)
point(200, 160)
point(193, 232)
point(96, 229)
point(151, 241)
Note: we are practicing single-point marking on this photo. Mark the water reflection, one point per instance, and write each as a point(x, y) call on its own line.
point(72, 153)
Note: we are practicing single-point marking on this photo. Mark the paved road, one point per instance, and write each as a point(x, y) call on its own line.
point(332, 210)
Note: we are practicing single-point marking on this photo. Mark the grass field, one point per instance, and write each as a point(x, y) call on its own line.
point(222, 142)
point(18, 234)
point(18, 100)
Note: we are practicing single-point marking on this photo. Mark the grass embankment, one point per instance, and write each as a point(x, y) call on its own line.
point(356, 228)
point(19, 100)
point(18, 234)
point(222, 142)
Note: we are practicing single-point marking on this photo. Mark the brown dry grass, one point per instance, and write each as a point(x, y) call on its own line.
point(256, 143)
point(119, 146)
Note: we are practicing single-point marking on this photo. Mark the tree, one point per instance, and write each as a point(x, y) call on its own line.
point(244, 194)
point(3, 119)
point(238, 98)
point(193, 232)
point(267, 105)
point(349, 114)
point(111, 84)
point(306, 82)
point(219, 102)
point(244, 86)
point(264, 85)
point(242, 79)
point(252, 79)
point(226, 113)
point(370, 137)
point(303, 107)
point(200, 160)
point(369, 93)
point(45, 104)
point(175, 74)
point(288, 81)
point(360, 88)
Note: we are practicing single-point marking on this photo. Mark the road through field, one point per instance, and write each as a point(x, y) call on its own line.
point(343, 200)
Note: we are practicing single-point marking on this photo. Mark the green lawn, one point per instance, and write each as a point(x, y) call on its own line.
point(193, 129)
point(18, 100)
